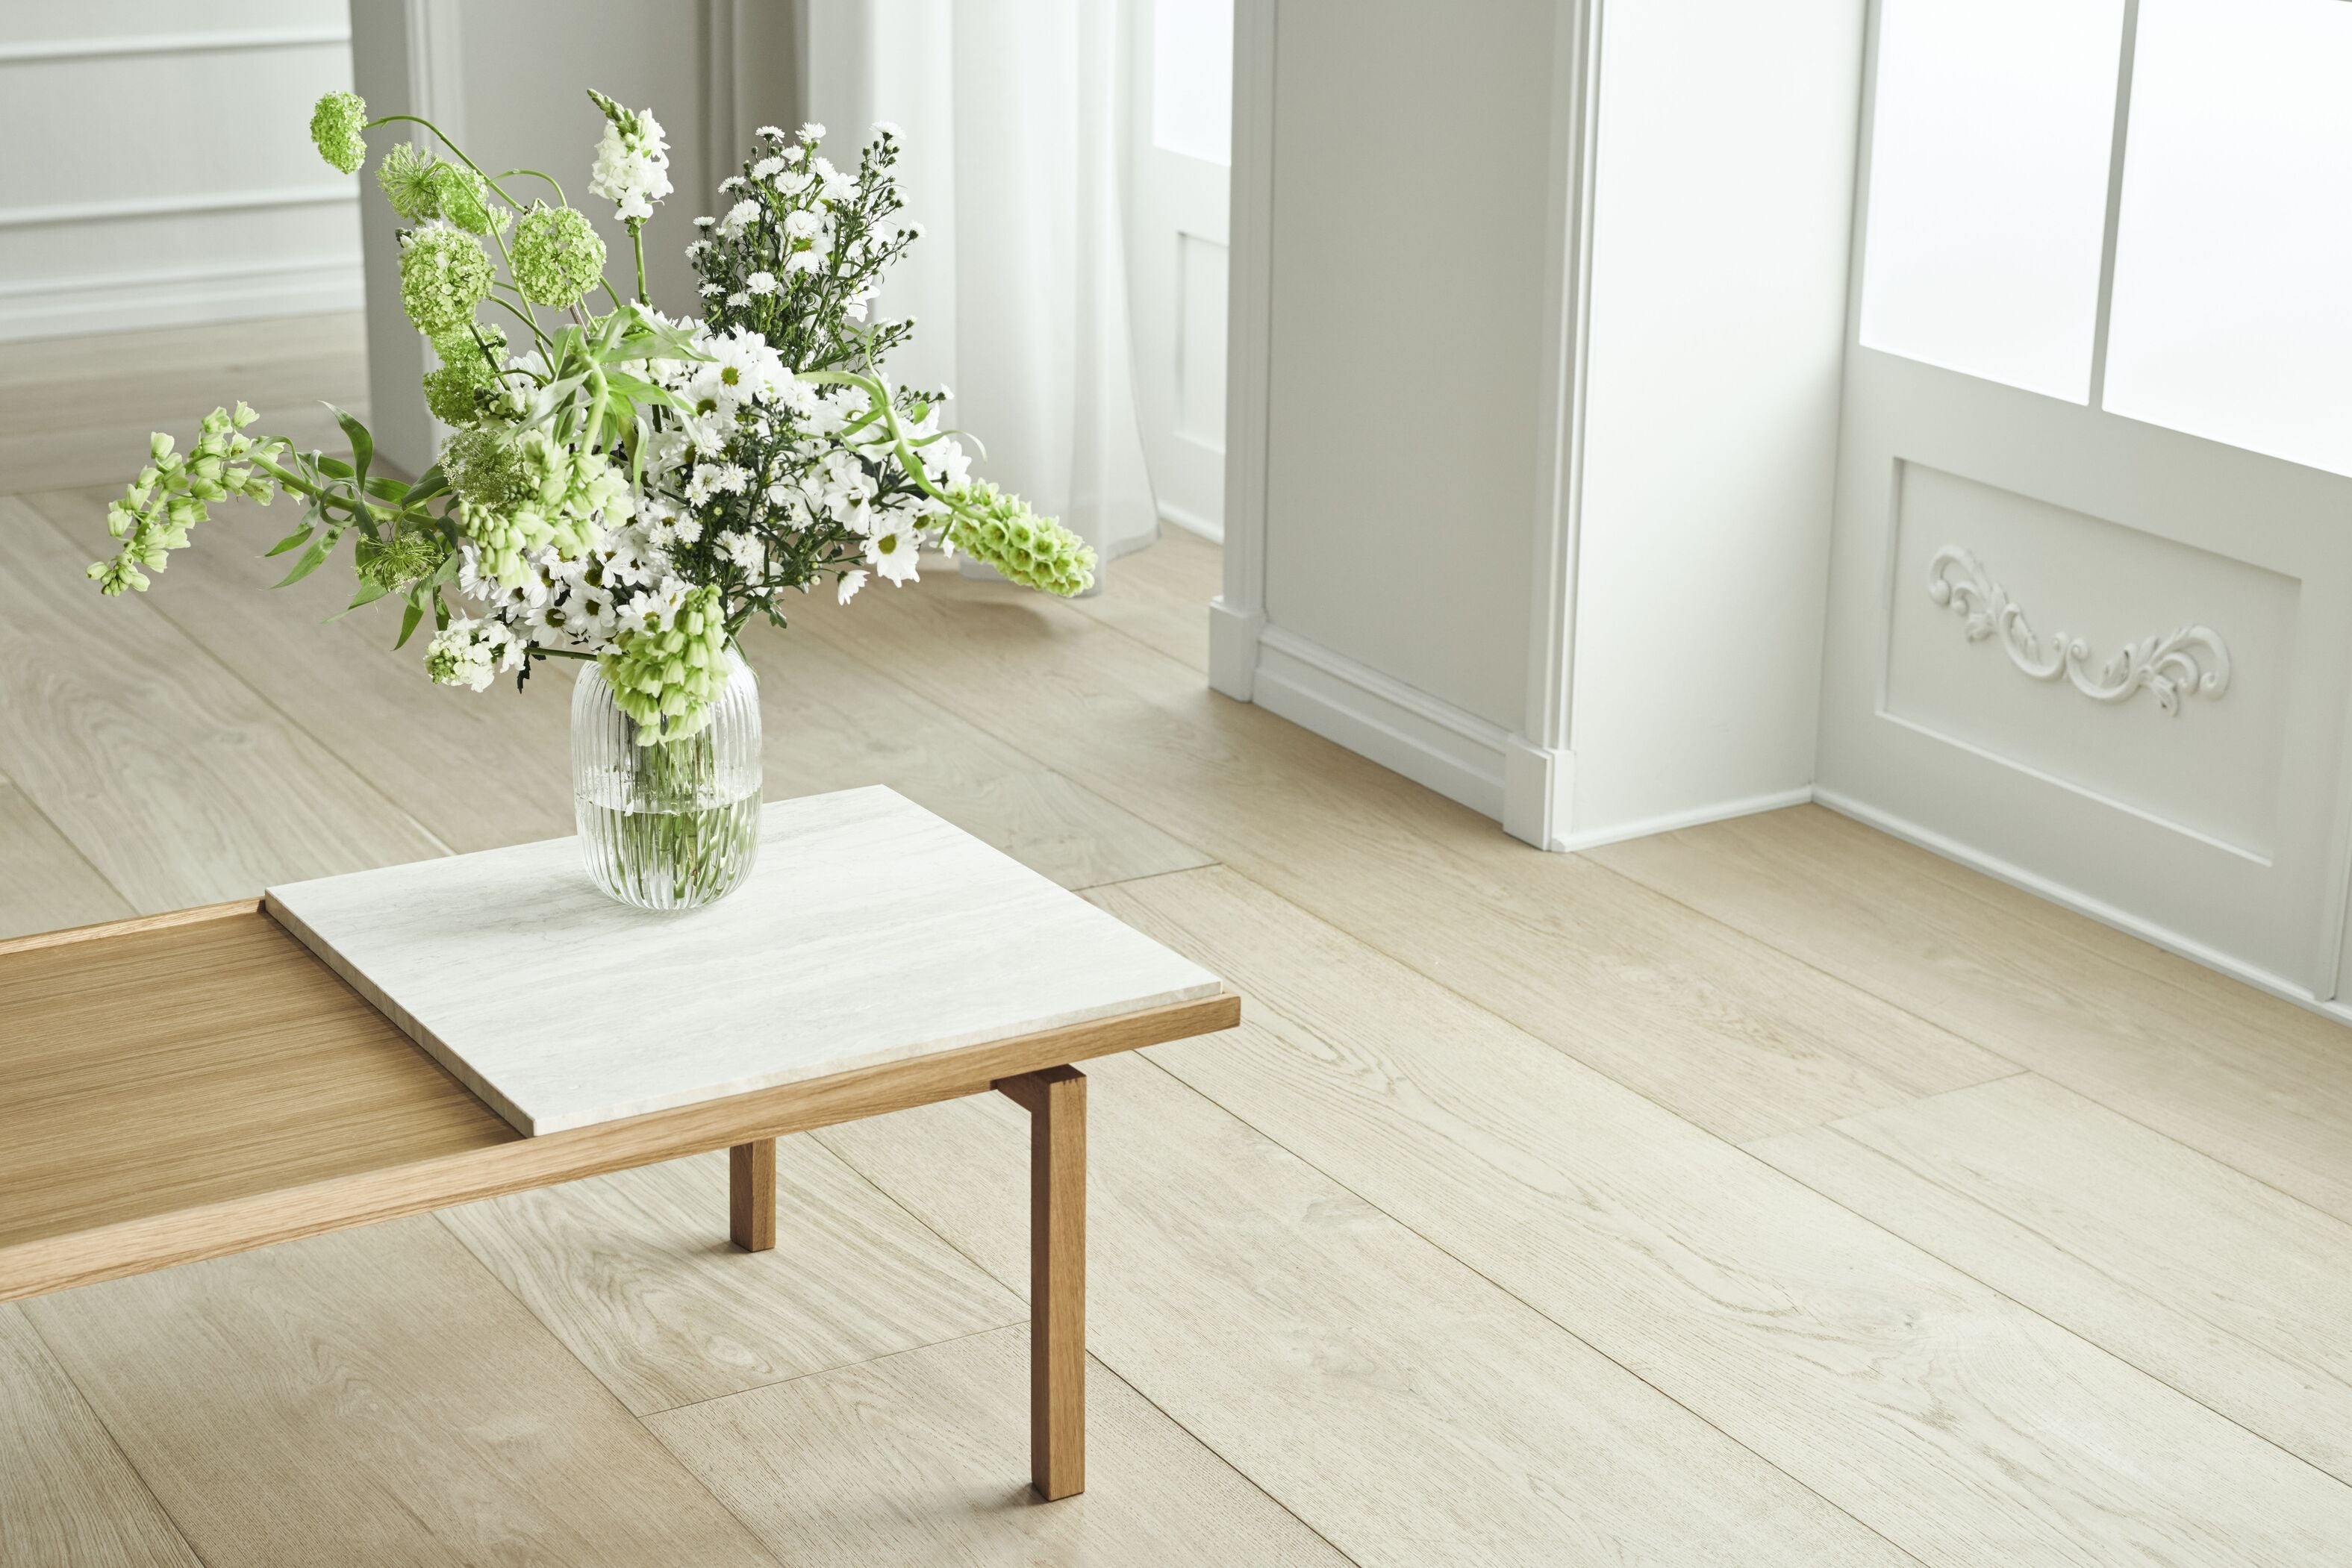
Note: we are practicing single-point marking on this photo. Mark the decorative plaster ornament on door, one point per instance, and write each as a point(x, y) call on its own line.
point(2170, 665)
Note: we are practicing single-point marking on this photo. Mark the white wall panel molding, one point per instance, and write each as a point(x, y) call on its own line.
point(227, 217)
point(176, 205)
point(130, 301)
point(222, 41)
point(2191, 661)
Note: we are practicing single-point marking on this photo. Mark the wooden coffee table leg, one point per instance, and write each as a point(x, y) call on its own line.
point(1056, 1102)
point(751, 1195)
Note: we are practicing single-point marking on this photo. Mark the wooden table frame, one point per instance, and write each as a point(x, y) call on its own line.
point(66, 1049)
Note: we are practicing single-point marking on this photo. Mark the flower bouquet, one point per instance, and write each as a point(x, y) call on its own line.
point(623, 486)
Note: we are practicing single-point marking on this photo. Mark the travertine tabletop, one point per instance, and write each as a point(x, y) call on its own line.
point(871, 930)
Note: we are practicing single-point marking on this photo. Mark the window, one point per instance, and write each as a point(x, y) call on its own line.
point(1989, 186)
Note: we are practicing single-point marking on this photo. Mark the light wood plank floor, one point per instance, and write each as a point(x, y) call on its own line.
point(1769, 1193)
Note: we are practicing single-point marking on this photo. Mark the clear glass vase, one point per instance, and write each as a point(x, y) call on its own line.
point(673, 825)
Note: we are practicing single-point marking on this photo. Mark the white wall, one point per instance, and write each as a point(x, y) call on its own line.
point(1409, 179)
point(1543, 303)
point(1723, 196)
point(159, 166)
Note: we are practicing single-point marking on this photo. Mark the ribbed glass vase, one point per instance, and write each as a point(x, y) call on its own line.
point(673, 825)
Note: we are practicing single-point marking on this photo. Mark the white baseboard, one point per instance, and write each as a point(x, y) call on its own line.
point(67, 308)
point(1431, 742)
point(1461, 755)
point(1695, 817)
point(2080, 903)
point(1191, 523)
point(1233, 649)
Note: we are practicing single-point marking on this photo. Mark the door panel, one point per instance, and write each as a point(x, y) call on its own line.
point(2104, 657)
point(1182, 147)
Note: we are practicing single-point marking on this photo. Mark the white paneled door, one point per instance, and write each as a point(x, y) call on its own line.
point(1181, 148)
point(2091, 608)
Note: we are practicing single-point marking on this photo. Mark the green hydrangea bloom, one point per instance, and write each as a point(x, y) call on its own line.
point(1038, 552)
point(557, 257)
point(335, 126)
point(466, 377)
point(667, 676)
point(463, 197)
point(444, 274)
point(173, 493)
point(403, 176)
point(558, 493)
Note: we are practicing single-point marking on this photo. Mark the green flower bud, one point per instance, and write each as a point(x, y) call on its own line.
point(393, 565)
point(335, 126)
point(666, 676)
point(1003, 532)
point(556, 257)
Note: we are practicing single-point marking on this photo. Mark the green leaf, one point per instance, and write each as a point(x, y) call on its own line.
point(308, 562)
point(368, 594)
point(334, 466)
point(408, 620)
point(429, 484)
point(385, 487)
point(362, 443)
point(291, 541)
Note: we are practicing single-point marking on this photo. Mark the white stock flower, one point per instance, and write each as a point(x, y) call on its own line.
point(632, 167)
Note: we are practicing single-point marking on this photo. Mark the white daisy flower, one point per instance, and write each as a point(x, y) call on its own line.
point(851, 581)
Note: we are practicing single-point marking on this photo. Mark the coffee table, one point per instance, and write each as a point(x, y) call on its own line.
point(187, 1085)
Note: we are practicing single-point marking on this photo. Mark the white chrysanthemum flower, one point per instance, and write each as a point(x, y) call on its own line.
point(749, 556)
point(813, 132)
point(851, 581)
point(738, 300)
point(885, 128)
point(738, 215)
point(760, 282)
point(767, 168)
point(894, 549)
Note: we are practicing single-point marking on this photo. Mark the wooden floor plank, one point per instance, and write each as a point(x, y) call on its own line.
point(2222, 1286)
point(47, 884)
point(634, 1272)
point(1405, 1408)
point(1717, 1026)
point(2254, 1082)
point(67, 1494)
point(1159, 596)
point(79, 410)
point(169, 775)
point(375, 1397)
point(1956, 1422)
point(920, 1458)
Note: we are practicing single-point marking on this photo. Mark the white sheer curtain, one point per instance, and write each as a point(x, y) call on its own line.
point(1013, 116)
